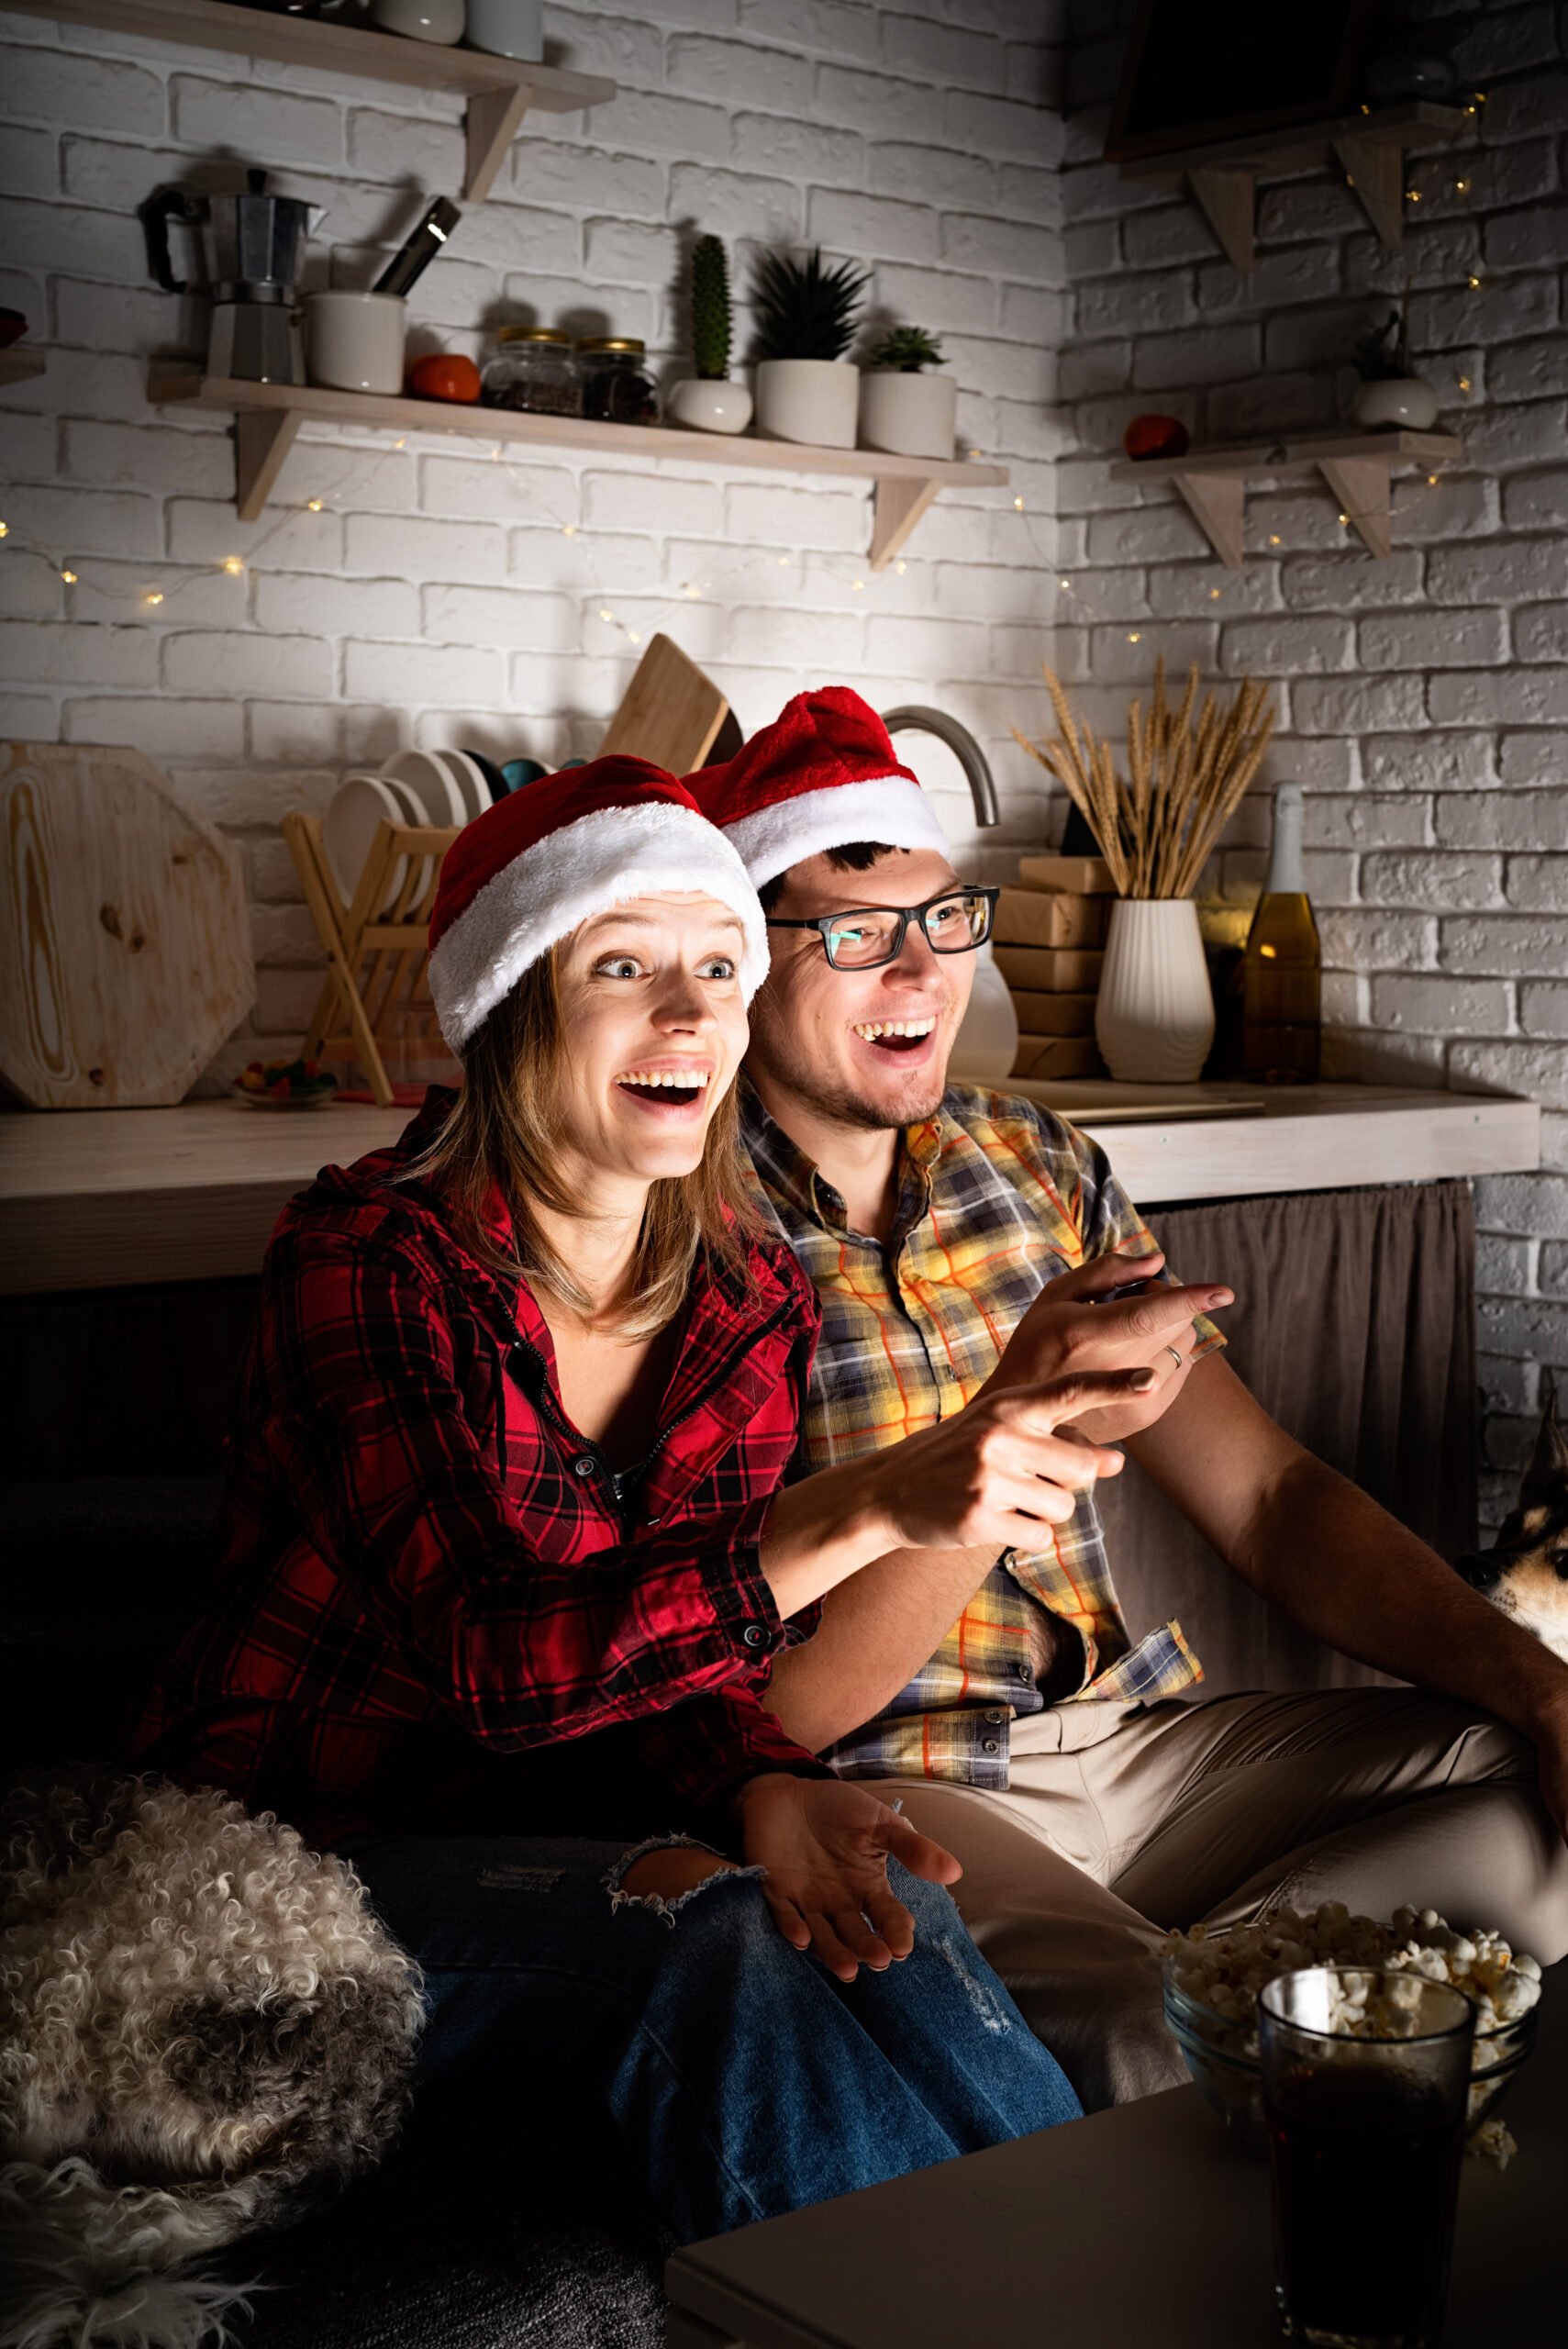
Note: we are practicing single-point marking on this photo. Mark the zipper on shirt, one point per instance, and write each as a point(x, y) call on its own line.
point(625, 1484)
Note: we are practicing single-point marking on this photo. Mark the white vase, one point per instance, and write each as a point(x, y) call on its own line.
point(911, 416)
point(1154, 1017)
point(986, 1044)
point(812, 400)
point(709, 404)
point(1396, 400)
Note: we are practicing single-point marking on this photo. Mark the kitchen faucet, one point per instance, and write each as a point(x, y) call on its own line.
point(915, 719)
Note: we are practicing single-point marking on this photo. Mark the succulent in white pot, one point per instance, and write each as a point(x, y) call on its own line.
point(1390, 395)
point(708, 401)
point(807, 317)
point(903, 409)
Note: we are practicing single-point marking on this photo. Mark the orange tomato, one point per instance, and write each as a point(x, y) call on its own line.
point(444, 376)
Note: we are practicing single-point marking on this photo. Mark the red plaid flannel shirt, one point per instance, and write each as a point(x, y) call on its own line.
point(429, 1580)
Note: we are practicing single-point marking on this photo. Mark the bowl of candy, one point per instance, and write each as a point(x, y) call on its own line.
point(283, 1084)
point(1212, 1981)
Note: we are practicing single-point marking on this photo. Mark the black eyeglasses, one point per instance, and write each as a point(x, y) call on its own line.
point(955, 923)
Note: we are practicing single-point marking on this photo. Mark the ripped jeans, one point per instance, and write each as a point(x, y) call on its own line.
point(742, 2077)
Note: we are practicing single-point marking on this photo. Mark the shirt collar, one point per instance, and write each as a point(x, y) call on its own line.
point(791, 1177)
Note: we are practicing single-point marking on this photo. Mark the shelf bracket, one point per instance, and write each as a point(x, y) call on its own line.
point(1218, 503)
point(494, 117)
point(1230, 200)
point(262, 439)
point(897, 507)
point(1375, 170)
point(1361, 484)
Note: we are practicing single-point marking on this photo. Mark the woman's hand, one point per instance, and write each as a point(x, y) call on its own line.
point(1070, 1329)
point(989, 1476)
point(825, 1843)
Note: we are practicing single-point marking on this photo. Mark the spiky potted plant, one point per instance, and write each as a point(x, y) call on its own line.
point(708, 401)
point(807, 317)
point(1390, 393)
point(902, 408)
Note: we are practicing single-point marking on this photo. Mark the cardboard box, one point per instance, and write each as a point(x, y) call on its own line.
point(1082, 876)
point(1051, 969)
point(1049, 1056)
point(1053, 1014)
point(1042, 917)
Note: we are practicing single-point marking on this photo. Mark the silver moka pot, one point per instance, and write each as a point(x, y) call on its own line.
point(255, 248)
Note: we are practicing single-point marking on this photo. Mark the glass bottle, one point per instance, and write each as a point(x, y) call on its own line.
point(616, 386)
point(1282, 1009)
point(533, 371)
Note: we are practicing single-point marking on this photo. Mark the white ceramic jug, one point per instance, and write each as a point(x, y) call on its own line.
point(1154, 1016)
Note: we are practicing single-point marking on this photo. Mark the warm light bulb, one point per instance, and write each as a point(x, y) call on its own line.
point(1344, 519)
point(1275, 539)
point(5, 530)
point(1064, 585)
point(569, 530)
point(858, 584)
point(154, 597)
point(1473, 284)
point(605, 614)
point(1464, 383)
point(233, 566)
point(313, 504)
point(784, 562)
point(632, 637)
point(1019, 504)
point(1412, 196)
point(692, 589)
point(1213, 595)
point(1270, 950)
point(400, 444)
point(1431, 480)
point(68, 577)
point(1135, 636)
point(901, 568)
point(1462, 187)
point(1349, 179)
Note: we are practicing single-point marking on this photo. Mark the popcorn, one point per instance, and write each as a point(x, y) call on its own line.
point(1226, 1971)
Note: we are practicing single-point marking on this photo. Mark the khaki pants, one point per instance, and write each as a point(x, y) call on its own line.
point(1122, 1821)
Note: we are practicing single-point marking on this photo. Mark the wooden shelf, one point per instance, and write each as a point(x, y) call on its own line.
point(21, 363)
point(499, 90)
point(268, 417)
point(1370, 143)
point(1357, 466)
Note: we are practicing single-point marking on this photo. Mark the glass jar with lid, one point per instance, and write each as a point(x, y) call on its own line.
point(616, 386)
point(533, 370)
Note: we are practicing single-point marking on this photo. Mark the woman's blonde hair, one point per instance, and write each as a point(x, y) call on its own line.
point(502, 1133)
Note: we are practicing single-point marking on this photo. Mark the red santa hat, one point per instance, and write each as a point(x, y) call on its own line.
point(521, 877)
point(822, 776)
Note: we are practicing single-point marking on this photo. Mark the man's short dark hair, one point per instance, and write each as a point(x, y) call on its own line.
point(855, 856)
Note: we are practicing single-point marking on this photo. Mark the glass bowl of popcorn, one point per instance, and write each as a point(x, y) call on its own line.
point(1212, 1981)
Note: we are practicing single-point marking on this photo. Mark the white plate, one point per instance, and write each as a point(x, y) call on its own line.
point(359, 803)
point(470, 780)
point(436, 792)
point(414, 812)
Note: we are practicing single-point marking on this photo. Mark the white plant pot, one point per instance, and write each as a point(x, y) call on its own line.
point(811, 400)
point(440, 21)
point(986, 1044)
point(911, 416)
point(1397, 399)
point(706, 403)
point(1154, 1017)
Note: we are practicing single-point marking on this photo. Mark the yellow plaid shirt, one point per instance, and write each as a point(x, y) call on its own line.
point(997, 1199)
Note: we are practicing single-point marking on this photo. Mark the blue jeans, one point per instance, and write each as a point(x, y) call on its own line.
point(742, 2079)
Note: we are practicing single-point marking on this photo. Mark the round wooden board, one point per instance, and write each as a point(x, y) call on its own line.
point(125, 957)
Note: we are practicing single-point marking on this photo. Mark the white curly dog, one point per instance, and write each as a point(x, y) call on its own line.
point(204, 2028)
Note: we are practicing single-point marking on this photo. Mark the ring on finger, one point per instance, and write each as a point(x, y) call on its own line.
point(1175, 1357)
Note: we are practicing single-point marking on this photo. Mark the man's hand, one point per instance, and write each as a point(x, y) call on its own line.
point(1066, 1330)
point(825, 1843)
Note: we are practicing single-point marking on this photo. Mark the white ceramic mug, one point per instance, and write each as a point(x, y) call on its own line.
point(355, 341)
point(508, 28)
point(435, 20)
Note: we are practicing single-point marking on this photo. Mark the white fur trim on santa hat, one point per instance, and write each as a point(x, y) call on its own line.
point(602, 860)
point(889, 810)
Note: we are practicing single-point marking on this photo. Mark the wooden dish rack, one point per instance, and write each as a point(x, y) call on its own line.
point(376, 993)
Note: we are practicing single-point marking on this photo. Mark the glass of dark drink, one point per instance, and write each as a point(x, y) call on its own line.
point(1365, 2077)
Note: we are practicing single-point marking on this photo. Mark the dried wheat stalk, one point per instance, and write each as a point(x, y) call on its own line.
point(1157, 832)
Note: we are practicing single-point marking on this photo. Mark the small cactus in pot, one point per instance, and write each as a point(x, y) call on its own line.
point(1390, 393)
point(708, 401)
point(901, 408)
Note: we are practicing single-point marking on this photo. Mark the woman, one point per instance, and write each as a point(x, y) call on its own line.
point(508, 1550)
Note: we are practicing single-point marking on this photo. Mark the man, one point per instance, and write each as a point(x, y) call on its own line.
point(956, 1238)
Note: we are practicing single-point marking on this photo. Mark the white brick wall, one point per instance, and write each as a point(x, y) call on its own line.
point(438, 597)
point(1423, 699)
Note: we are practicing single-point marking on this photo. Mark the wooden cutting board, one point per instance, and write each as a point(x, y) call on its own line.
point(670, 712)
point(125, 958)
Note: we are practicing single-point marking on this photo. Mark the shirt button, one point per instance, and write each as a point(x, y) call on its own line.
point(1026, 1670)
point(584, 1465)
point(948, 1370)
point(992, 1745)
point(753, 1635)
point(994, 1713)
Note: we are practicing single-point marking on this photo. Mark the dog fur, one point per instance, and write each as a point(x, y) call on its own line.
point(203, 2029)
point(1526, 1572)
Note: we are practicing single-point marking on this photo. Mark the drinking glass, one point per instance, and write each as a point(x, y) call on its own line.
point(1365, 2073)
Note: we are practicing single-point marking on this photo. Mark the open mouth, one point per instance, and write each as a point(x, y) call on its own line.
point(898, 1039)
point(664, 1088)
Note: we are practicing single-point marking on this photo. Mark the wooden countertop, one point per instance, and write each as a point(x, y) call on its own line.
point(114, 1198)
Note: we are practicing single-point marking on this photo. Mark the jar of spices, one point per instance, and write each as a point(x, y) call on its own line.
point(616, 386)
point(533, 370)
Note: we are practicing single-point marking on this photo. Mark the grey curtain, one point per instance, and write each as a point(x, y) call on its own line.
point(1354, 1325)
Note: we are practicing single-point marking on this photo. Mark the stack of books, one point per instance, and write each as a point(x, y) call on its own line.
point(1051, 933)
